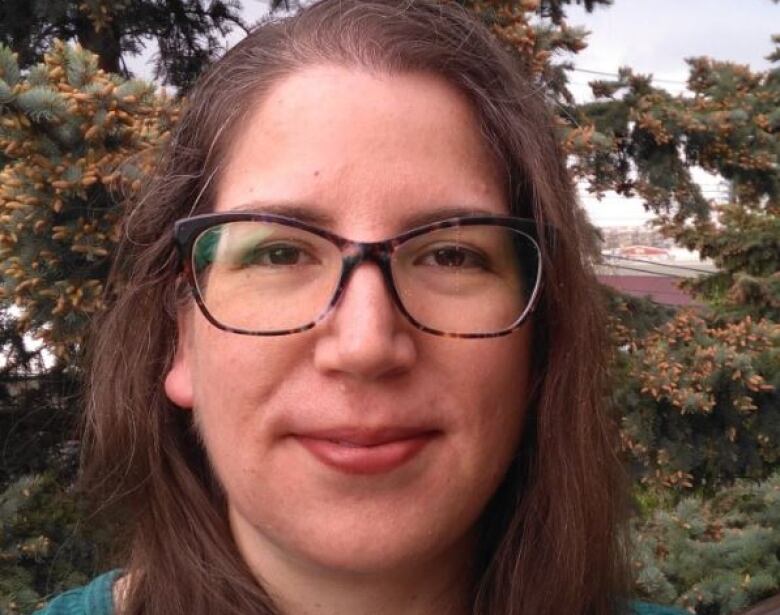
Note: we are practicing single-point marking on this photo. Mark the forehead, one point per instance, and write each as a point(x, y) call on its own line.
point(362, 152)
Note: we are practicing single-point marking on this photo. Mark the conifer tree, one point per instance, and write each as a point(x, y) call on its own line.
point(700, 403)
point(70, 134)
point(537, 31)
point(714, 556)
point(642, 141)
point(699, 395)
point(188, 33)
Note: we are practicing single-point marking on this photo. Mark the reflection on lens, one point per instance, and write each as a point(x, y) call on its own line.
point(467, 279)
point(259, 276)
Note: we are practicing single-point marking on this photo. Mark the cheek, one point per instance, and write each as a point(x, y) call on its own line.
point(235, 380)
point(493, 387)
point(227, 366)
point(497, 373)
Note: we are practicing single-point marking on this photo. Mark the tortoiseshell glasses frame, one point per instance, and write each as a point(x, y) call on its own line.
point(353, 254)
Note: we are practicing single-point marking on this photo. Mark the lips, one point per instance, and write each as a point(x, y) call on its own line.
point(366, 451)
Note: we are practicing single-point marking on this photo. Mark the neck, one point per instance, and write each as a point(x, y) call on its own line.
point(319, 594)
point(437, 587)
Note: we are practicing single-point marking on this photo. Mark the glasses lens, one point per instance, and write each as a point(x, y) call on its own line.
point(466, 280)
point(264, 277)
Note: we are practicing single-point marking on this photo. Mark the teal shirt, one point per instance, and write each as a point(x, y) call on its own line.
point(93, 599)
point(96, 599)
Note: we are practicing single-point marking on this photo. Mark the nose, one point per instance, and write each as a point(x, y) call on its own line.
point(365, 336)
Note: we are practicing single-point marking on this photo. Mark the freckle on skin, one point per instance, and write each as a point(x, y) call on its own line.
point(316, 173)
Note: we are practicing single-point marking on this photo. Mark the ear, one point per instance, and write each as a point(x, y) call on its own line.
point(178, 380)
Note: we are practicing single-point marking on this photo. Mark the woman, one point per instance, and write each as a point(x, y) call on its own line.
point(355, 361)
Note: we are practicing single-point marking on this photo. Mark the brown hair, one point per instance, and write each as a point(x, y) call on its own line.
point(553, 533)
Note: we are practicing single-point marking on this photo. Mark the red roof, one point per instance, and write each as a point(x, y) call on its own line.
point(660, 289)
point(642, 251)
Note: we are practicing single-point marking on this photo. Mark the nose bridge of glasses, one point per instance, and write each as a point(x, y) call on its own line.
point(358, 253)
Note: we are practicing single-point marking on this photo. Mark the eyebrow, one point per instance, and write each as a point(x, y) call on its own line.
point(315, 216)
point(443, 213)
point(298, 211)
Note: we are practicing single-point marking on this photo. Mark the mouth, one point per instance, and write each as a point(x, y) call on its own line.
point(366, 451)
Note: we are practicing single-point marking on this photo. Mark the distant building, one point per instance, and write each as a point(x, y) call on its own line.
point(651, 252)
point(639, 261)
point(621, 236)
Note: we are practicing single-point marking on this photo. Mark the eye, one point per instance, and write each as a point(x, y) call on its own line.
point(276, 255)
point(452, 257)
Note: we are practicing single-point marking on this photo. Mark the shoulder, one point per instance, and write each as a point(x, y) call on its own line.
point(93, 599)
point(645, 608)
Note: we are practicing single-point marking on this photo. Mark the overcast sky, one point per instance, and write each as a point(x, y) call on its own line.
point(655, 36)
point(651, 36)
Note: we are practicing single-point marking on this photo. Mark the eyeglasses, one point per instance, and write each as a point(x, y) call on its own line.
point(263, 274)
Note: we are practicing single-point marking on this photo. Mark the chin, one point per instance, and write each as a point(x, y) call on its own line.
point(374, 556)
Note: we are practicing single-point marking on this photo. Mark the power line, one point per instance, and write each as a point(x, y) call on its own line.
point(641, 260)
point(649, 272)
point(616, 76)
point(712, 186)
point(702, 188)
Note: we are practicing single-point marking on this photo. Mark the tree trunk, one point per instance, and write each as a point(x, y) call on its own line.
point(105, 43)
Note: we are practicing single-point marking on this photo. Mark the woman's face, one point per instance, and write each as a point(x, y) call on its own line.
point(363, 444)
